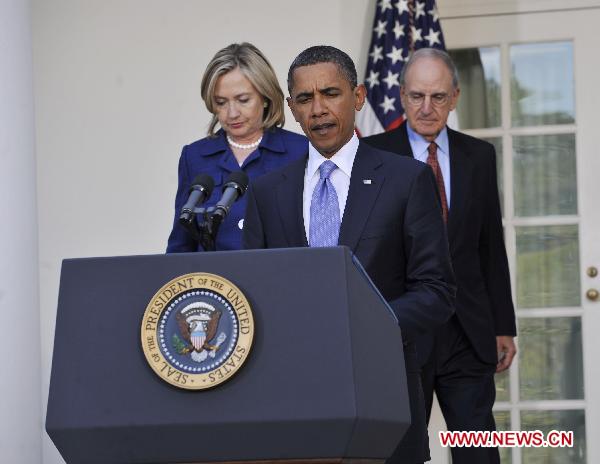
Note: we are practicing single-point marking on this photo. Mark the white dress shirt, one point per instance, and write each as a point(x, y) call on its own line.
point(420, 151)
point(340, 178)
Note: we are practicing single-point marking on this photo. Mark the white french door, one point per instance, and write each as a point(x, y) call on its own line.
point(531, 85)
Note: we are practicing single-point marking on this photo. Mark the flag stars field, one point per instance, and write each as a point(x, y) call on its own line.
point(399, 28)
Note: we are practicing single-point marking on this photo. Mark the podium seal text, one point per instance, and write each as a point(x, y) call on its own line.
point(197, 331)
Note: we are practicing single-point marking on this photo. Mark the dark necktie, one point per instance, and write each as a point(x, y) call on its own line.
point(432, 160)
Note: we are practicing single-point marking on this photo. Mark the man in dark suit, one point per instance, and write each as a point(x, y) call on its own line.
point(382, 206)
point(460, 361)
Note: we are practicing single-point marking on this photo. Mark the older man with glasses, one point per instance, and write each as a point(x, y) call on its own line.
point(460, 360)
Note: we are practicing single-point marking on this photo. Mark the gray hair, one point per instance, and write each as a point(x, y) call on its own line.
point(257, 69)
point(435, 54)
point(324, 54)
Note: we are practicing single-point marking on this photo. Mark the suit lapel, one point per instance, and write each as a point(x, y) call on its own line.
point(289, 200)
point(460, 175)
point(361, 195)
point(404, 147)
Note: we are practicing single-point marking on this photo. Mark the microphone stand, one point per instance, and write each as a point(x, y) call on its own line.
point(206, 231)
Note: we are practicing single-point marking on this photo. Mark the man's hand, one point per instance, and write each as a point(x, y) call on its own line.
point(506, 352)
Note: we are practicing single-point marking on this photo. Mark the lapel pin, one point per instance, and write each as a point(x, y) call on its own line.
point(367, 181)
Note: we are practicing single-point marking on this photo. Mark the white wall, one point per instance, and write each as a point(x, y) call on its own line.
point(117, 96)
point(475, 8)
point(20, 408)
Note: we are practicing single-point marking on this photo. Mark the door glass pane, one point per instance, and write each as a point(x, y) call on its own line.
point(503, 423)
point(548, 266)
point(546, 421)
point(550, 363)
point(479, 79)
point(541, 86)
point(497, 142)
point(502, 386)
point(545, 177)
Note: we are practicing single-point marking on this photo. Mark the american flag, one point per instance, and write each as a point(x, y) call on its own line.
point(399, 28)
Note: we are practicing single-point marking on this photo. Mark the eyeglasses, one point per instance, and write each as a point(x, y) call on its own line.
point(417, 99)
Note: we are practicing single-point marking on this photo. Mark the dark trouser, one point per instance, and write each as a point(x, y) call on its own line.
point(414, 447)
point(464, 386)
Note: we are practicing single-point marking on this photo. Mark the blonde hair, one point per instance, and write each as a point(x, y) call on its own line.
point(253, 64)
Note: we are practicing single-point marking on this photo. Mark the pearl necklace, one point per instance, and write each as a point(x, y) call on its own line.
point(241, 146)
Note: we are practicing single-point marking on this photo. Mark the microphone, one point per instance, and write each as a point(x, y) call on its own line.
point(200, 191)
point(234, 188)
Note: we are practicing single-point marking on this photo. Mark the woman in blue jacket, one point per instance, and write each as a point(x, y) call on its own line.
point(240, 89)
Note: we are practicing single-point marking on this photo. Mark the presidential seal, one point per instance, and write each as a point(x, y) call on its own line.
point(197, 331)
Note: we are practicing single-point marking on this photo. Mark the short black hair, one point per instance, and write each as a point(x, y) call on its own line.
point(324, 54)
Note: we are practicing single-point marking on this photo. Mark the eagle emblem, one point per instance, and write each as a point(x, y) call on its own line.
point(198, 324)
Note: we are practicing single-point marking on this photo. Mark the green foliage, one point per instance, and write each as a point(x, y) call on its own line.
point(179, 345)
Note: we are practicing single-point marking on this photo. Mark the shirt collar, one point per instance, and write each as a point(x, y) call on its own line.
point(421, 145)
point(271, 141)
point(343, 159)
point(214, 145)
